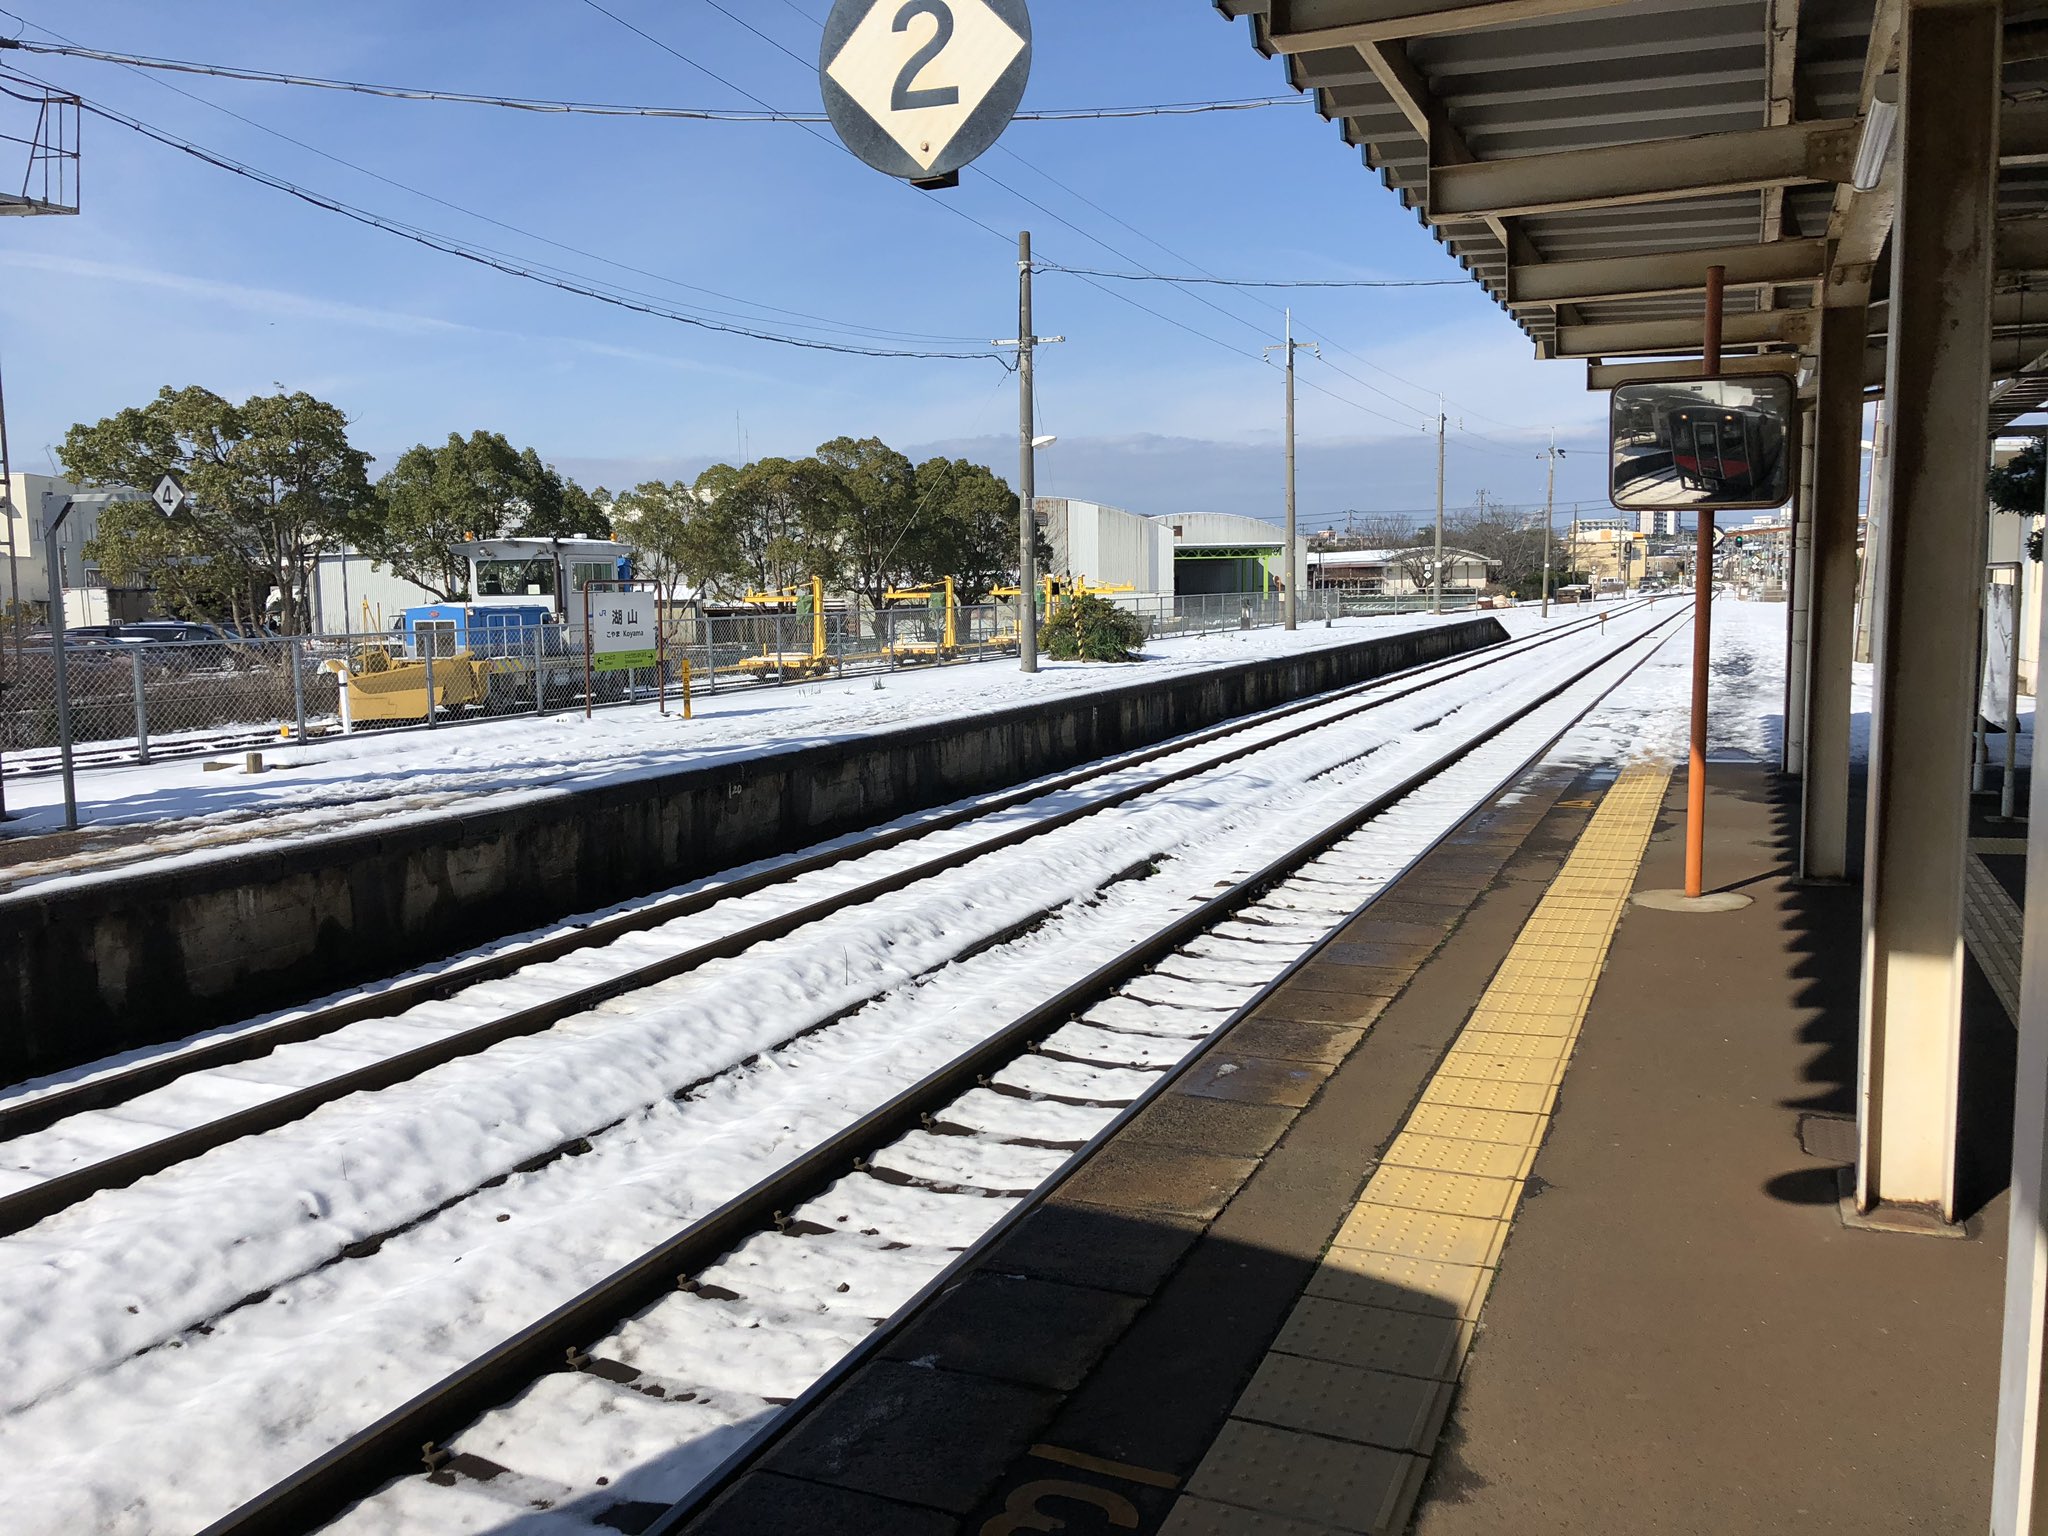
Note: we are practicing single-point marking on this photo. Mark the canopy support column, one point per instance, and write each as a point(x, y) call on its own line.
point(1837, 460)
point(1932, 570)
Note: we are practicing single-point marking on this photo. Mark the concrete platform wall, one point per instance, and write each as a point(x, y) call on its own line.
point(141, 959)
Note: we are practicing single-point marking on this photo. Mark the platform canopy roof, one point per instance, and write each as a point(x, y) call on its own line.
point(1586, 161)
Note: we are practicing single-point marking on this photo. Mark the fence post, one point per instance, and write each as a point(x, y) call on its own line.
point(433, 703)
point(540, 673)
point(297, 659)
point(141, 711)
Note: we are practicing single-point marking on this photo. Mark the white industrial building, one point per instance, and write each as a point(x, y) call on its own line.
point(354, 595)
point(1185, 554)
point(1398, 572)
point(30, 502)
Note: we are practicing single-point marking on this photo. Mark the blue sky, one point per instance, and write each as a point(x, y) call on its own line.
point(177, 272)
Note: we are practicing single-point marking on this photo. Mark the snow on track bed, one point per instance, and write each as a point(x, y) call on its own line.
point(69, 1140)
point(25, 1106)
point(658, 1405)
point(203, 1418)
point(391, 779)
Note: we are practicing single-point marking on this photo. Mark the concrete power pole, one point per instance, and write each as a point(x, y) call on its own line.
point(1027, 491)
point(1291, 553)
point(1436, 576)
point(1549, 506)
point(1027, 472)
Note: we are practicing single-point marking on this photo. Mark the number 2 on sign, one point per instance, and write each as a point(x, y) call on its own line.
point(907, 96)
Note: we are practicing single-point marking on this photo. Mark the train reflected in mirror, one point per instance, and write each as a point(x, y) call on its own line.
point(1702, 443)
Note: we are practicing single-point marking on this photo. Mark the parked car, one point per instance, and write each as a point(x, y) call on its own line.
point(190, 647)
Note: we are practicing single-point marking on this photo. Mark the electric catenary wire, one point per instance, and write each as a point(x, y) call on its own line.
point(1093, 239)
point(450, 246)
point(555, 107)
point(1251, 282)
point(816, 322)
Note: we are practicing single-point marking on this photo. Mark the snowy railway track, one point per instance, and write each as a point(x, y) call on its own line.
point(55, 1174)
point(675, 1348)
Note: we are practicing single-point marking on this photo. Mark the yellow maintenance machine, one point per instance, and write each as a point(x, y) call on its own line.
point(805, 603)
point(447, 660)
point(1051, 591)
point(942, 633)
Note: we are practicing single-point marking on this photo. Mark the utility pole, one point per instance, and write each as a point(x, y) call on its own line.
point(1549, 505)
point(1436, 578)
point(7, 511)
point(1291, 556)
point(1027, 473)
point(13, 567)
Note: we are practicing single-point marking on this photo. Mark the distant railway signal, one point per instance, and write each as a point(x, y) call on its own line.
point(920, 88)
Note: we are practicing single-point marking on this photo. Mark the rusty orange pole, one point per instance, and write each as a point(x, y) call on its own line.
point(1702, 636)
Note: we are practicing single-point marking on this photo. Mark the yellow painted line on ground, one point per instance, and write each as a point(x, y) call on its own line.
point(1336, 1431)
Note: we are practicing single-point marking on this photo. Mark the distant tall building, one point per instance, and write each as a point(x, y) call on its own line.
point(1658, 523)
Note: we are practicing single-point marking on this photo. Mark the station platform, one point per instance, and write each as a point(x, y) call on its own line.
point(1516, 1209)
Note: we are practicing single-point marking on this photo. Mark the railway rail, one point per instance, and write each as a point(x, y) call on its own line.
point(981, 1091)
point(24, 1117)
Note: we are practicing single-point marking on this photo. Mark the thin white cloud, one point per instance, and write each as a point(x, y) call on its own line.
point(265, 301)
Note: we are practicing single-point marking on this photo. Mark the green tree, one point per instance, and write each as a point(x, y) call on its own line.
point(552, 506)
point(2017, 488)
point(192, 563)
point(784, 516)
point(683, 538)
point(967, 527)
point(436, 499)
point(881, 543)
point(478, 487)
point(1093, 629)
point(273, 482)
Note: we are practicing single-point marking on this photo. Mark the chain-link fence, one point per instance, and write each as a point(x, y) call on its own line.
point(133, 699)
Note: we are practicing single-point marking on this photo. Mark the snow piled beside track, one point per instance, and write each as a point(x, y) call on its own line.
point(135, 1419)
point(390, 778)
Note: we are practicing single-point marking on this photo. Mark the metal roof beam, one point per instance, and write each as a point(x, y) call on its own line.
point(1303, 26)
point(2023, 133)
point(1653, 171)
point(1622, 338)
point(1626, 277)
point(2010, 352)
point(1604, 376)
point(1860, 222)
point(2023, 245)
point(1781, 32)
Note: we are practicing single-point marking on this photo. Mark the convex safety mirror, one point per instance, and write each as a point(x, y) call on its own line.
point(1705, 444)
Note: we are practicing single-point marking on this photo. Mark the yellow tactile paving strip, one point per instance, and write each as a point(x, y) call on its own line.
point(1335, 1432)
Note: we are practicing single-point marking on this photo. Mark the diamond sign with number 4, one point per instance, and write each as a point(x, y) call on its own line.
point(920, 88)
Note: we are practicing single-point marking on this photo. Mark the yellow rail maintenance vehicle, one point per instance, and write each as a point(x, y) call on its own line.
point(941, 640)
point(514, 644)
point(1052, 591)
point(806, 602)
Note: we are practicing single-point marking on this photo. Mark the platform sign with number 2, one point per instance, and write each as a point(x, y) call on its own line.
point(920, 88)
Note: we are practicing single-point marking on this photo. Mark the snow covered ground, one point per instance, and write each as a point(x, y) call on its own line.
point(176, 1345)
point(178, 808)
point(1650, 716)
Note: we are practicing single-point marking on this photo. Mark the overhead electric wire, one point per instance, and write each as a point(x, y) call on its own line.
point(1253, 282)
point(559, 107)
point(809, 128)
point(1145, 273)
point(450, 246)
point(819, 323)
point(1089, 278)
